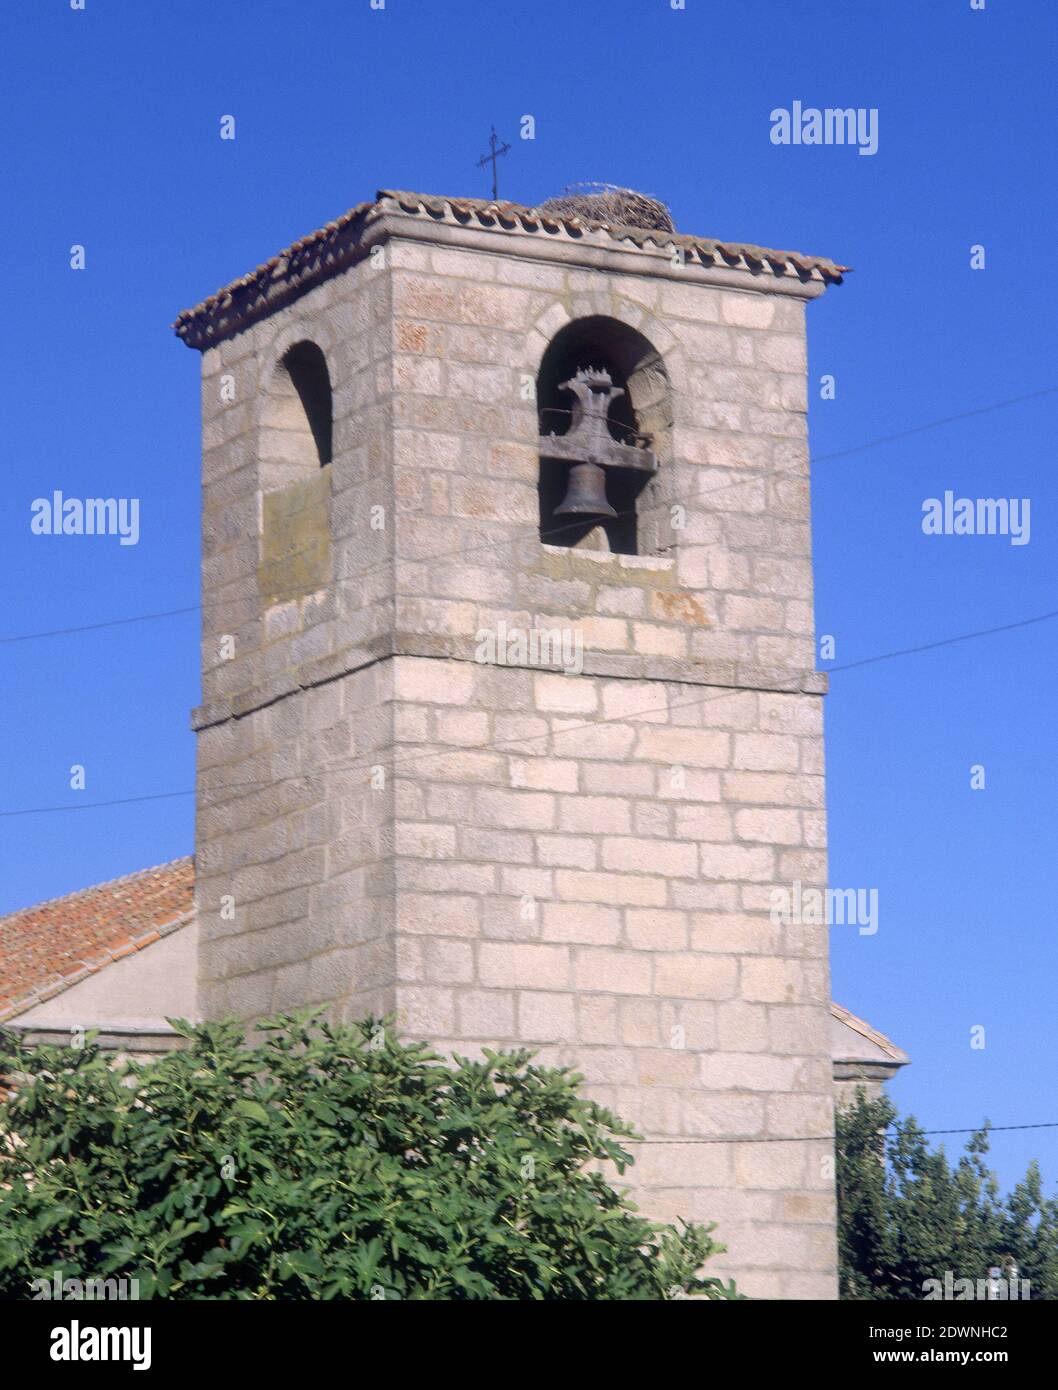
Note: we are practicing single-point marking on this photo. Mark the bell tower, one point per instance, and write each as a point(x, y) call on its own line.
point(440, 421)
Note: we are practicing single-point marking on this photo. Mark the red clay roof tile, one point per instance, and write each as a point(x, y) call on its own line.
point(46, 948)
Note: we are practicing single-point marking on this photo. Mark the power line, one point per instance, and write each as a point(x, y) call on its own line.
point(94, 627)
point(95, 805)
point(936, 424)
point(488, 546)
point(824, 1138)
point(945, 642)
point(518, 743)
point(992, 1129)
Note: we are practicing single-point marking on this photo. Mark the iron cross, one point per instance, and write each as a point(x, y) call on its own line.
point(487, 158)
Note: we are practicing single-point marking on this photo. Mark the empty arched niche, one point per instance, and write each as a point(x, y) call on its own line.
point(296, 420)
point(600, 366)
point(294, 454)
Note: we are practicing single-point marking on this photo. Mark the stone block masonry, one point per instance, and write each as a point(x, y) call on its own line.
point(502, 854)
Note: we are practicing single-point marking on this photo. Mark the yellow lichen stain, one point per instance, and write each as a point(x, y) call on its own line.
point(679, 606)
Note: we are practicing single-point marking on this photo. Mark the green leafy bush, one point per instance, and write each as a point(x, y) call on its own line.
point(906, 1215)
point(322, 1162)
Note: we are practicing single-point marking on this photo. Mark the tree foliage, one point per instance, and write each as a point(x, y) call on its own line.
point(907, 1215)
point(322, 1161)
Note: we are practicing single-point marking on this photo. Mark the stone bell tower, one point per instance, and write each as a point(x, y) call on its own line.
point(510, 721)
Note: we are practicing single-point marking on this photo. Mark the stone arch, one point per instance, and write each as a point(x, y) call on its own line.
point(640, 416)
point(296, 417)
point(609, 304)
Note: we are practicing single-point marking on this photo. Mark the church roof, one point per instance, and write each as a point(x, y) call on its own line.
point(333, 247)
point(49, 947)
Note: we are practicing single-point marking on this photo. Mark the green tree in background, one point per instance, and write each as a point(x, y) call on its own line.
point(906, 1215)
point(322, 1162)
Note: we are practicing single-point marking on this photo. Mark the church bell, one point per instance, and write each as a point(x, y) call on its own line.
point(586, 492)
point(588, 448)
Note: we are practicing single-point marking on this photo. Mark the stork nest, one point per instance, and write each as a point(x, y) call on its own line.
point(605, 202)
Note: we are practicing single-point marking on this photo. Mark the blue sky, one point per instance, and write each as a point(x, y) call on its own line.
point(111, 120)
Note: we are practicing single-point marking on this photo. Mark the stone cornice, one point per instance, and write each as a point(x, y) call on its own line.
point(610, 665)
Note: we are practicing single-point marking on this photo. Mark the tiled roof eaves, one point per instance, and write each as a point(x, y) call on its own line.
point(330, 249)
point(512, 216)
point(310, 259)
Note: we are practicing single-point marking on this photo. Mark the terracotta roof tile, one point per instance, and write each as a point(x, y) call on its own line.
point(331, 248)
point(47, 948)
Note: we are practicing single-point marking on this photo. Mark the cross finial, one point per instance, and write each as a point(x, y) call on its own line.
point(496, 151)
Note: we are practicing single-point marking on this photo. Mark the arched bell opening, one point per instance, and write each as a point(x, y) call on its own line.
point(605, 416)
point(297, 416)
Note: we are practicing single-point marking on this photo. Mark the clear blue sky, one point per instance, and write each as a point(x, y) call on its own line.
point(110, 122)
